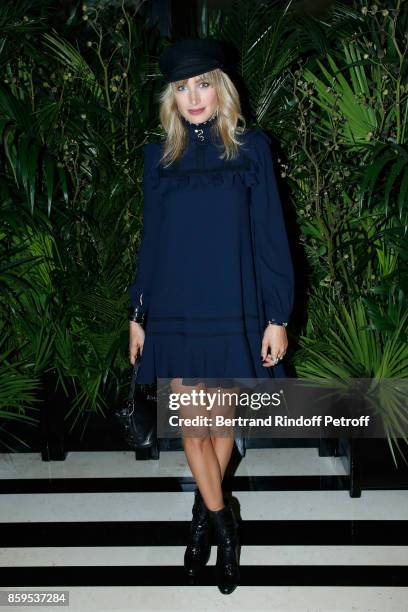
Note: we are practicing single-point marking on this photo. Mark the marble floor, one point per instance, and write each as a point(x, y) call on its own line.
point(111, 531)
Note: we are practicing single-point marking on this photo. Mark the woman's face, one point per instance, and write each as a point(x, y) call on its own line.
point(196, 94)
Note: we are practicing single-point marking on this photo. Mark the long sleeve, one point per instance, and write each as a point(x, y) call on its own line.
point(139, 290)
point(272, 254)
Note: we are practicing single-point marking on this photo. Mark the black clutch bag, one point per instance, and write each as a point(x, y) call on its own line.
point(137, 419)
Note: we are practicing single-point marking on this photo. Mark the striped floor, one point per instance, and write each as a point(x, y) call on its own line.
point(112, 532)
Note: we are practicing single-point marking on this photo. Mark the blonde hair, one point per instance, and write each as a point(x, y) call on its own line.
point(226, 124)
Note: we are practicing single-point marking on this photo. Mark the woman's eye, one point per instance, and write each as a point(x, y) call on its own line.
point(202, 83)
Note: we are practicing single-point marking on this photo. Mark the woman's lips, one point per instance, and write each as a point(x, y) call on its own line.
point(196, 111)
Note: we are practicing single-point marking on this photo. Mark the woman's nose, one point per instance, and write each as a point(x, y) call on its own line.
point(193, 97)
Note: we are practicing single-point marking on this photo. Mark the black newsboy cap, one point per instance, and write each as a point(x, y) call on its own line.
point(189, 57)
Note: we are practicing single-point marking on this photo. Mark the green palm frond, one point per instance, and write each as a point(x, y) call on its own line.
point(19, 384)
point(72, 58)
point(355, 346)
point(33, 166)
point(346, 101)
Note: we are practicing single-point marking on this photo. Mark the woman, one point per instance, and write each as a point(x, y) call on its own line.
point(214, 287)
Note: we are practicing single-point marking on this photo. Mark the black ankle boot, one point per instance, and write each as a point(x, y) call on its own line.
point(199, 547)
point(226, 530)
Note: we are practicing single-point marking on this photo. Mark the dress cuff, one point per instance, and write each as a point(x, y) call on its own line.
point(273, 315)
point(276, 322)
point(136, 314)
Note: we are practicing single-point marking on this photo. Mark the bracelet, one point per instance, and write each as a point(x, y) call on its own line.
point(283, 324)
point(136, 315)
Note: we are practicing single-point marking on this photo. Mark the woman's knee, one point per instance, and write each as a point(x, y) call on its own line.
point(197, 443)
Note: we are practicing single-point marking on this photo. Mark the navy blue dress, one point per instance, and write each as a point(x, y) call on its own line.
point(214, 263)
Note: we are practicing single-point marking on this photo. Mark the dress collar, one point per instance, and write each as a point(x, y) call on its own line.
point(200, 132)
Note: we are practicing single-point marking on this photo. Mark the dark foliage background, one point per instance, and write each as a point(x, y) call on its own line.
point(78, 99)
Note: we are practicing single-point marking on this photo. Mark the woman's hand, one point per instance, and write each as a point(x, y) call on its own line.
point(136, 340)
point(276, 339)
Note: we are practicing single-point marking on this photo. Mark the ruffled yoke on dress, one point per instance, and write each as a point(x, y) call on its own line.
point(200, 165)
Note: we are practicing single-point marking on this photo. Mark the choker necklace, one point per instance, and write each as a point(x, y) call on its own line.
point(200, 132)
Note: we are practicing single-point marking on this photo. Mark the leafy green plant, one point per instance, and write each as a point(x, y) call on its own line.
point(360, 342)
point(74, 108)
point(78, 101)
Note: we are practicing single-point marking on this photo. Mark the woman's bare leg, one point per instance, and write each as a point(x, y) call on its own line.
point(223, 438)
point(200, 453)
point(223, 449)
